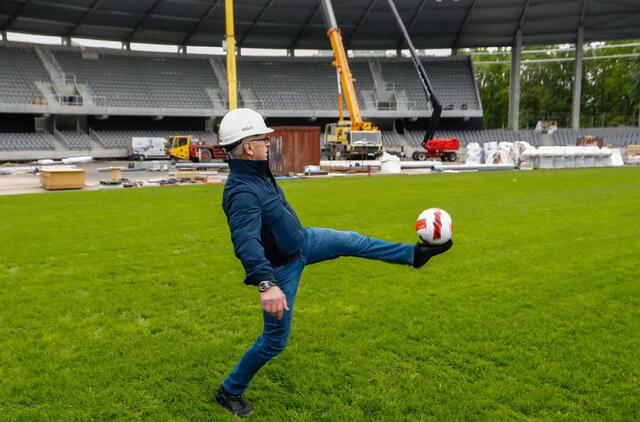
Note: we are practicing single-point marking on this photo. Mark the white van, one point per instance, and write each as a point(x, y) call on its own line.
point(148, 148)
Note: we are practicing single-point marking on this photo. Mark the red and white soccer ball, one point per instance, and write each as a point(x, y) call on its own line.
point(434, 226)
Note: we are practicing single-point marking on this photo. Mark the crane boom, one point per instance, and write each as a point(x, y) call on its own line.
point(352, 138)
point(424, 79)
point(341, 64)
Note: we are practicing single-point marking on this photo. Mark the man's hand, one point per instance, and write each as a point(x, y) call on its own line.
point(274, 302)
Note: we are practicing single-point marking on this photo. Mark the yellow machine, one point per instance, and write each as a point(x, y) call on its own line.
point(184, 147)
point(354, 138)
point(178, 147)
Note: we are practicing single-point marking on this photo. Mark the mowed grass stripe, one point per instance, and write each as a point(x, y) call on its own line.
point(130, 304)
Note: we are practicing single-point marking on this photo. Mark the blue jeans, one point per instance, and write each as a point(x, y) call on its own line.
point(320, 245)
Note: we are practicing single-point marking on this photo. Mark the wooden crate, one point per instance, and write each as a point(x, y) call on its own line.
point(187, 174)
point(53, 179)
point(116, 173)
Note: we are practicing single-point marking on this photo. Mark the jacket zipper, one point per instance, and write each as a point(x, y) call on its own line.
point(284, 205)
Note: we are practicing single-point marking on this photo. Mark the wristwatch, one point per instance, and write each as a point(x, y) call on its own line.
point(263, 286)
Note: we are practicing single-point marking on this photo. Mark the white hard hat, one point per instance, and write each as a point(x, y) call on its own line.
point(240, 123)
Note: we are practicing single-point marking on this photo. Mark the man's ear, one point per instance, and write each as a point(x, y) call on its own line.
point(248, 148)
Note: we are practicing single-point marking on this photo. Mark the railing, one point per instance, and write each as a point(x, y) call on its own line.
point(99, 100)
point(69, 100)
point(383, 85)
point(69, 79)
point(94, 135)
point(59, 137)
point(386, 105)
point(60, 79)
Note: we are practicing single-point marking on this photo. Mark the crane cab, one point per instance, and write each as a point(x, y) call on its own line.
point(342, 141)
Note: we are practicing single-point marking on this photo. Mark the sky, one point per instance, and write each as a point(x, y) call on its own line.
point(43, 39)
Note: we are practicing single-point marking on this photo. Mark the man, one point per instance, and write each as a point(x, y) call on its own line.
point(274, 247)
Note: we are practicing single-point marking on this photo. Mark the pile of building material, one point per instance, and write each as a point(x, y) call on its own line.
point(553, 157)
point(632, 154)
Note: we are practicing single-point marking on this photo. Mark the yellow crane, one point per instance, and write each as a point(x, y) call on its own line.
point(353, 138)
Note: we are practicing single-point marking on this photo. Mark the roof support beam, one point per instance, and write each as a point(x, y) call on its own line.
point(195, 29)
point(144, 19)
point(521, 20)
point(253, 24)
point(583, 9)
point(467, 18)
point(15, 15)
point(304, 28)
point(577, 79)
point(577, 69)
point(514, 82)
point(414, 19)
point(81, 19)
point(359, 24)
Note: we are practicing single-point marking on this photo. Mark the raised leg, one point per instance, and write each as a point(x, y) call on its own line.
point(325, 244)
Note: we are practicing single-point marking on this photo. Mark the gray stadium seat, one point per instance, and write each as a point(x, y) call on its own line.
point(138, 81)
point(26, 141)
point(20, 70)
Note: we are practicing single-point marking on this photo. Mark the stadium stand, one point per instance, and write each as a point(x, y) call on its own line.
point(452, 80)
point(282, 84)
point(137, 81)
point(479, 136)
point(618, 137)
point(122, 139)
point(74, 140)
point(391, 139)
point(26, 141)
point(21, 69)
point(272, 84)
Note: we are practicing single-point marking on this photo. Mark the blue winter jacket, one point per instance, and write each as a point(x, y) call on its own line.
point(265, 230)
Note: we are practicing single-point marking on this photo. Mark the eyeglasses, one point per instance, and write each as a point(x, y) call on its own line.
point(266, 140)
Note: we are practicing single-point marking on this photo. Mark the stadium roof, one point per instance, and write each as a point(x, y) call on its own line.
point(366, 24)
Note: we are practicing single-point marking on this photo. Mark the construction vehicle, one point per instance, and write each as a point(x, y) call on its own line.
point(184, 147)
point(147, 148)
point(351, 138)
point(446, 149)
point(433, 147)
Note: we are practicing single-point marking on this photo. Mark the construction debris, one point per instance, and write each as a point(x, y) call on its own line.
point(196, 166)
point(78, 160)
point(131, 184)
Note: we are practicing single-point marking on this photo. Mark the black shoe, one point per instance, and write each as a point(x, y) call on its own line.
point(423, 252)
point(235, 404)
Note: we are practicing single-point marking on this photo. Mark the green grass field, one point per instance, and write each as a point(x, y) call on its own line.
point(130, 304)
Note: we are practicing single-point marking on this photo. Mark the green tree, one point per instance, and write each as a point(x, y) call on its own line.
point(610, 94)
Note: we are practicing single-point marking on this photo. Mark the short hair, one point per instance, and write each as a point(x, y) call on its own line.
point(237, 151)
